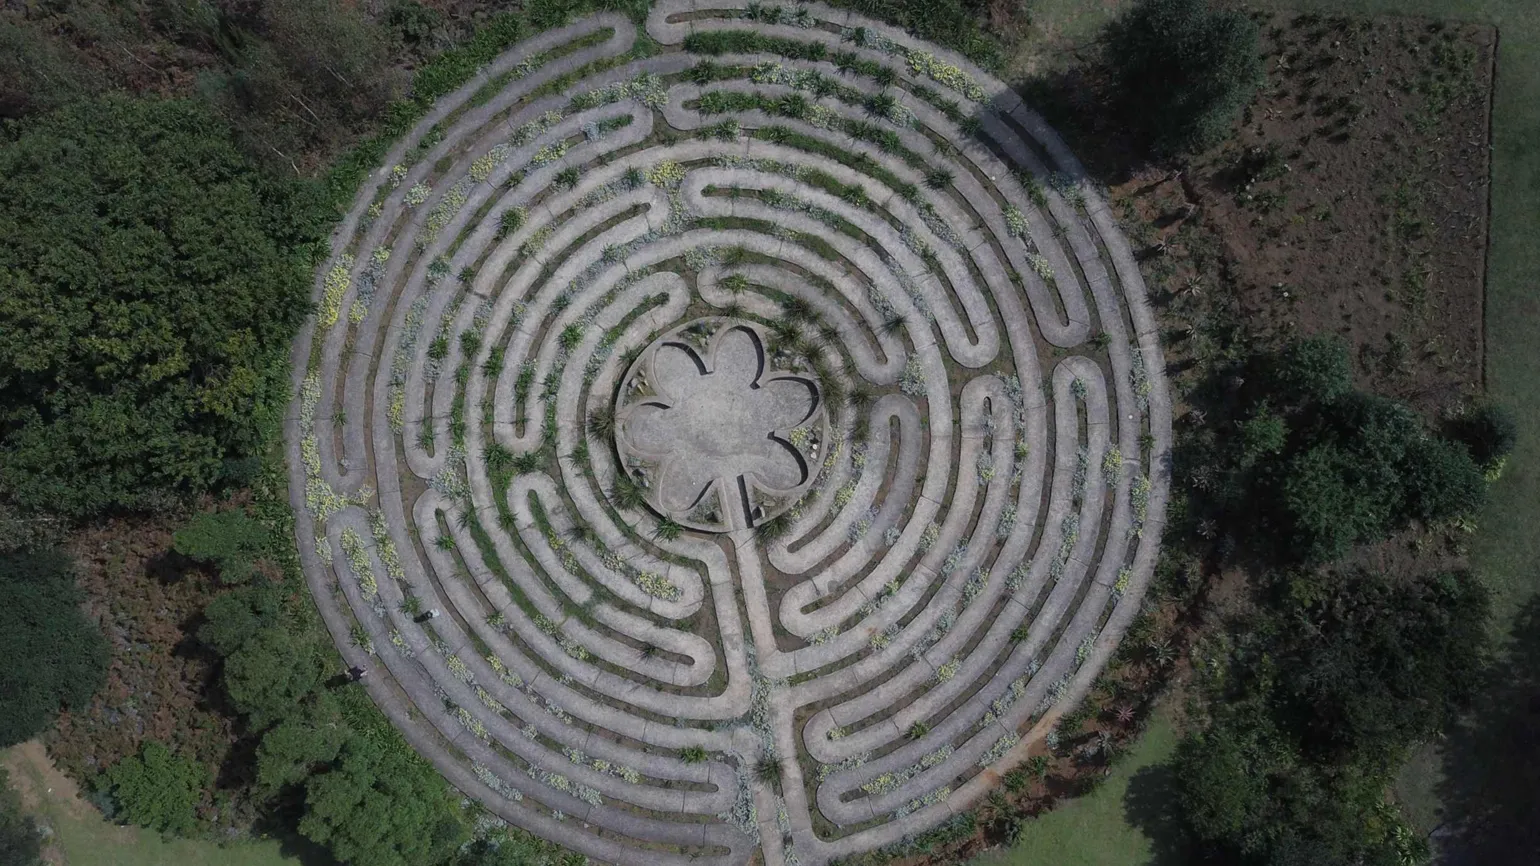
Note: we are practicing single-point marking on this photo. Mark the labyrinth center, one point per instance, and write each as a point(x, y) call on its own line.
point(745, 433)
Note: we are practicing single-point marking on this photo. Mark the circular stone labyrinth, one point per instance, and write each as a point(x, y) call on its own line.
point(745, 435)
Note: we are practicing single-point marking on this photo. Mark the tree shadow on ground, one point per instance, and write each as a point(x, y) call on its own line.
point(1151, 806)
point(1491, 788)
point(281, 824)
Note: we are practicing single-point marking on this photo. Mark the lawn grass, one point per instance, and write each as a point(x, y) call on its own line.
point(85, 838)
point(94, 842)
point(1104, 828)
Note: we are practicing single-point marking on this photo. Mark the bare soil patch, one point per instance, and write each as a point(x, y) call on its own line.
point(1352, 202)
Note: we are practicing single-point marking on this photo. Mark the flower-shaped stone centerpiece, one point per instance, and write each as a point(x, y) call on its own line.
point(715, 438)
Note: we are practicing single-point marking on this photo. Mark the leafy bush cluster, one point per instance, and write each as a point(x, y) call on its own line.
point(1339, 675)
point(1184, 71)
point(1304, 466)
point(1336, 671)
point(156, 789)
point(322, 749)
point(952, 23)
point(231, 540)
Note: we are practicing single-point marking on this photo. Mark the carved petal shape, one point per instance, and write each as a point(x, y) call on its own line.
point(718, 416)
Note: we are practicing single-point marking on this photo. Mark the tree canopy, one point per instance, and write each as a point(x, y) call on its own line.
point(1338, 675)
point(382, 805)
point(150, 284)
point(54, 657)
point(1184, 70)
point(1319, 466)
point(270, 673)
point(235, 617)
point(307, 739)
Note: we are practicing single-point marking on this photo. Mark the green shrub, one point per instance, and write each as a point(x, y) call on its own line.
point(270, 674)
point(1184, 70)
point(1331, 504)
point(417, 27)
point(157, 789)
point(1318, 466)
point(1314, 369)
point(1441, 481)
point(1369, 466)
point(1263, 434)
point(955, 24)
point(1488, 432)
point(292, 750)
point(511, 847)
point(230, 540)
point(235, 617)
point(54, 657)
point(382, 805)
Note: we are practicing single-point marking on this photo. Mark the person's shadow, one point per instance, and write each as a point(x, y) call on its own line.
point(1151, 806)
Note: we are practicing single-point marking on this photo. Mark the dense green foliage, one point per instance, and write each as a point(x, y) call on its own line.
point(1489, 432)
point(1318, 466)
point(1337, 675)
point(305, 741)
point(53, 656)
point(952, 23)
point(234, 617)
point(231, 540)
point(271, 673)
point(1335, 672)
point(150, 283)
point(1184, 71)
point(321, 750)
point(377, 805)
point(20, 843)
point(157, 789)
point(515, 848)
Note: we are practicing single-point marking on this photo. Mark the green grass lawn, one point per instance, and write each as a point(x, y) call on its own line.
point(94, 842)
point(85, 838)
point(1112, 825)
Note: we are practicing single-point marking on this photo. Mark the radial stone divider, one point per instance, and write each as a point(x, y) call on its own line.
point(772, 412)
